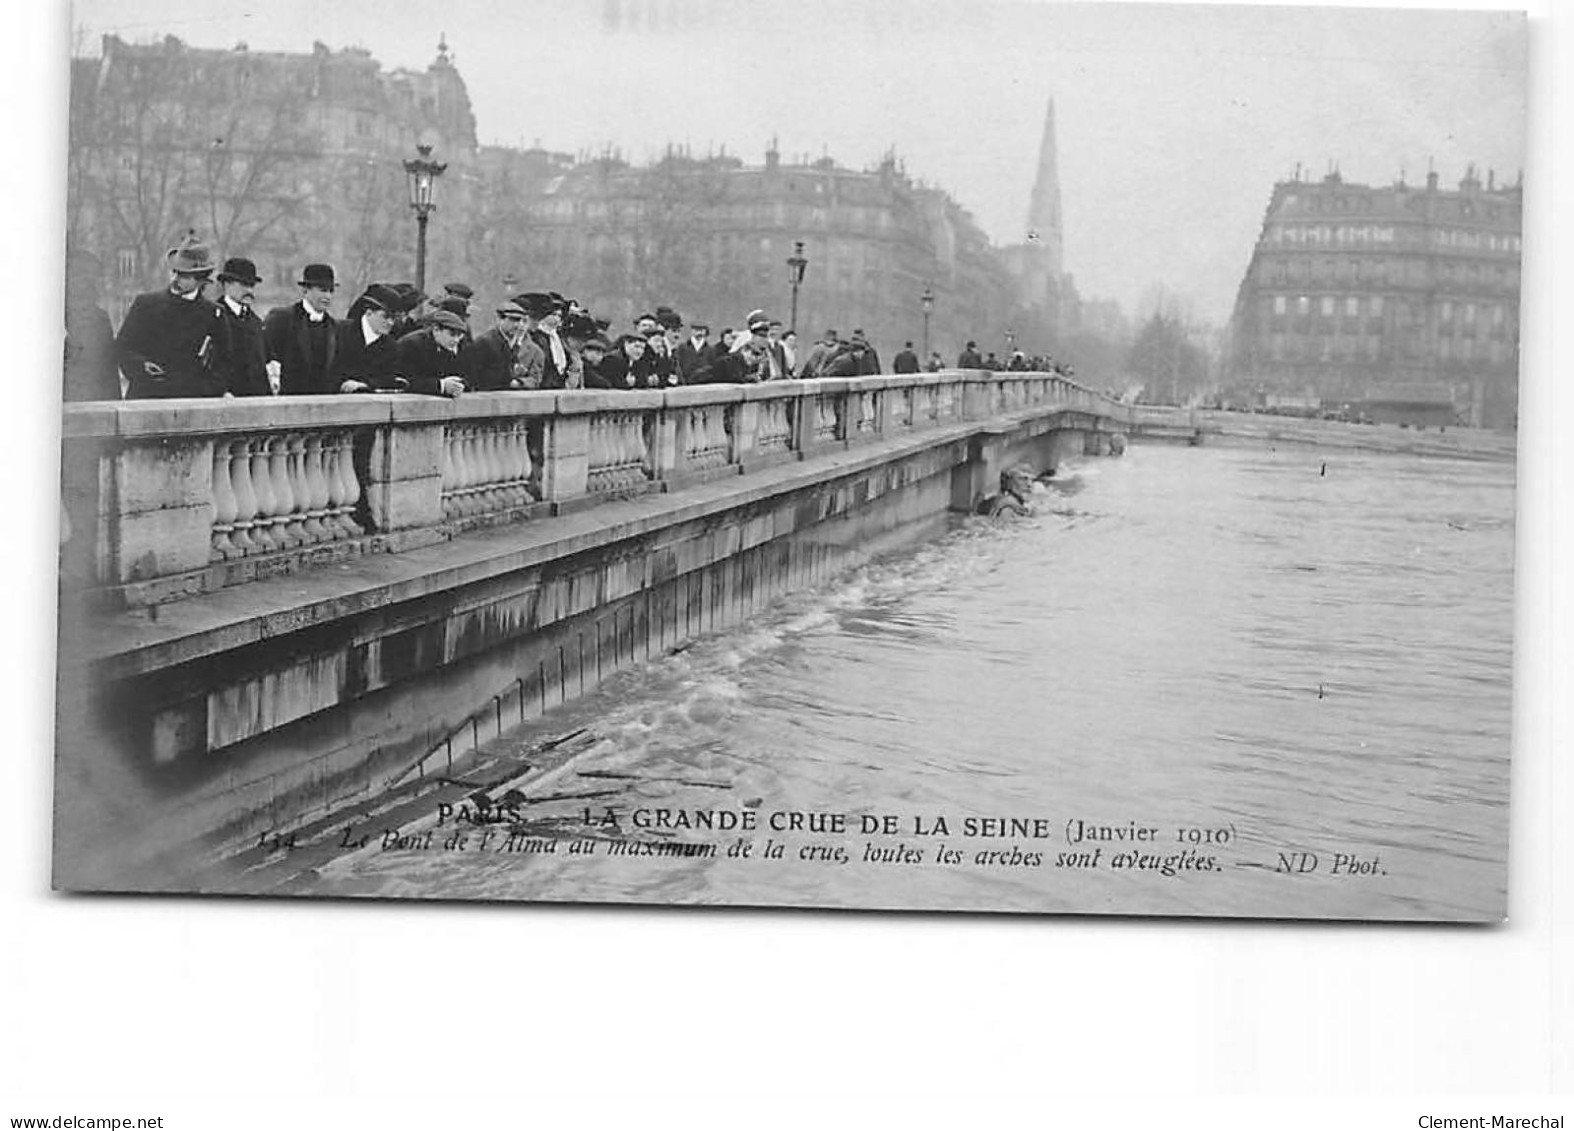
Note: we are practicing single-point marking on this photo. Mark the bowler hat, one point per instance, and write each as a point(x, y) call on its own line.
point(454, 305)
point(459, 289)
point(507, 307)
point(669, 318)
point(318, 275)
point(238, 270)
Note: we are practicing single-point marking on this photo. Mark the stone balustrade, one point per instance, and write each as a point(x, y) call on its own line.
point(166, 499)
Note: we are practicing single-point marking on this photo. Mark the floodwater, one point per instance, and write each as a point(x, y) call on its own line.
point(1259, 682)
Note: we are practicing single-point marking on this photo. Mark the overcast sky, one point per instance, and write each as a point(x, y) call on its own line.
point(1174, 121)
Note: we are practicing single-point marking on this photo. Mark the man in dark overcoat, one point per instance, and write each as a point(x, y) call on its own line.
point(172, 343)
point(428, 361)
point(364, 350)
point(301, 338)
point(494, 359)
point(248, 351)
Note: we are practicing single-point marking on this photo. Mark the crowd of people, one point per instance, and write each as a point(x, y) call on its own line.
point(179, 342)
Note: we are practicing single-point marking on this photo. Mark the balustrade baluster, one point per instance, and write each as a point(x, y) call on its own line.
point(283, 497)
point(496, 476)
point(223, 503)
point(295, 472)
point(518, 464)
point(262, 532)
point(464, 475)
point(245, 497)
point(316, 501)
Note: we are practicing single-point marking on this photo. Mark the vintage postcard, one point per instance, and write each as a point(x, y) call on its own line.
point(1005, 457)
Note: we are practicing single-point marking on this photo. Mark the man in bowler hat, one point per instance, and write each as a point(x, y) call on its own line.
point(248, 352)
point(301, 338)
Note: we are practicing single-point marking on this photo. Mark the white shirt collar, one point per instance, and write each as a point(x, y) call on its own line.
point(235, 308)
point(366, 330)
point(312, 313)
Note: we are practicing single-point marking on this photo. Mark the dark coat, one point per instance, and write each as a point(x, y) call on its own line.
point(969, 359)
point(690, 360)
point(182, 336)
point(423, 364)
point(905, 362)
point(355, 360)
point(869, 363)
point(286, 333)
point(735, 369)
point(842, 362)
point(248, 352)
point(90, 373)
point(492, 363)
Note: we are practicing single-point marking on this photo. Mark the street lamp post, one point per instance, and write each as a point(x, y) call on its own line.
point(927, 302)
point(796, 264)
point(1011, 342)
point(422, 173)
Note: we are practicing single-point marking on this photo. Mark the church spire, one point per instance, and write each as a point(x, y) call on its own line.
point(1043, 215)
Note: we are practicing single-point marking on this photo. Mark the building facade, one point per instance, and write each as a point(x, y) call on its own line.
point(295, 158)
point(283, 158)
point(1384, 296)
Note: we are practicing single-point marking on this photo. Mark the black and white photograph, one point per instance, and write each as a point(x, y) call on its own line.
point(1083, 483)
point(883, 562)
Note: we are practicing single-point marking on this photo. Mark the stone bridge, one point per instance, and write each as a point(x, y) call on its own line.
point(271, 608)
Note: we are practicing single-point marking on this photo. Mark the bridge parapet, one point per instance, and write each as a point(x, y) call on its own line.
point(168, 499)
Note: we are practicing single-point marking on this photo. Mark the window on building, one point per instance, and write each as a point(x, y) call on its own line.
point(126, 263)
point(1328, 306)
point(1375, 304)
point(1280, 303)
point(1445, 312)
point(1352, 306)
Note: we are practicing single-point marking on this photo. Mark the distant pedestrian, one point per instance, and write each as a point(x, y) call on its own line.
point(814, 364)
point(969, 358)
point(905, 361)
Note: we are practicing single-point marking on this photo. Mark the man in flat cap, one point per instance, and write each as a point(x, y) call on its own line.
point(173, 343)
point(428, 361)
point(504, 357)
point(238, 281)
point(301, 338)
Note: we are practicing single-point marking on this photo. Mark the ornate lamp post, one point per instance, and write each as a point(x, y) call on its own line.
point(422, 173)
point(1011, 341)
point(927, 302)
point(796, 264)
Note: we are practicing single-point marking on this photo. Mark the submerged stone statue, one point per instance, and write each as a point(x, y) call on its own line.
point(1016, 493)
